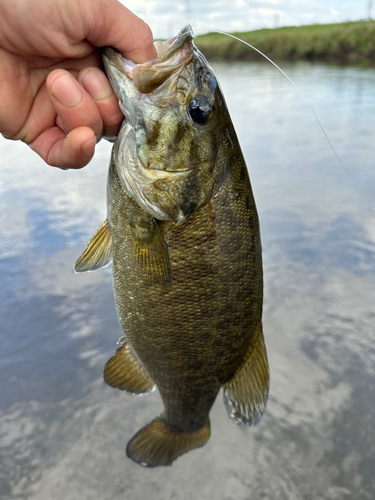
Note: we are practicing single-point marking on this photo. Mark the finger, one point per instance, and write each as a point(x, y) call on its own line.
point(108, 22)
point(26, 106)
point(73, 105)
point(98, 87)
point(16, 96)
point(40, 117)
point(74, 150)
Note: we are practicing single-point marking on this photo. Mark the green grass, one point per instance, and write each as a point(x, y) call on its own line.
point(344, 42)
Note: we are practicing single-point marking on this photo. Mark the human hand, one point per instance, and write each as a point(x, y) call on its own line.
point(53, 94)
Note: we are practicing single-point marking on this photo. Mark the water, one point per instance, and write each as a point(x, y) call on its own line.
point(63, 431)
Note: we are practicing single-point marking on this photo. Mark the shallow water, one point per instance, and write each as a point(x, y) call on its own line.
point(63, 431)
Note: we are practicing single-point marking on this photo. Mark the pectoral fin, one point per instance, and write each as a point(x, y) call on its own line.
point(150, 251)
point(246, 393)
point(124, 372)
point(98, 252)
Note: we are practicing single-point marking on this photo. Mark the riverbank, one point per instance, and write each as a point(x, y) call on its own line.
point(350, 42)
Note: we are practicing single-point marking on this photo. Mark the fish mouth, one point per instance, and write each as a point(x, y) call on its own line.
point(173, 56)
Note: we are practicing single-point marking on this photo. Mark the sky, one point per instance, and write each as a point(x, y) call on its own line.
point(166, 17)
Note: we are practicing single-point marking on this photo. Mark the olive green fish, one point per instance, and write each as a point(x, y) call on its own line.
point(183, 233)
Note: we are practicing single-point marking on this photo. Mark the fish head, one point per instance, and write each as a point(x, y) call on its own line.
point(166, 152)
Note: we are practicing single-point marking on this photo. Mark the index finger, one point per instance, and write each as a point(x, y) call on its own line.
point(108, 22)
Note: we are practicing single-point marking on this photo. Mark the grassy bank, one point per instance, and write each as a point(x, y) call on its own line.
point(344, 42)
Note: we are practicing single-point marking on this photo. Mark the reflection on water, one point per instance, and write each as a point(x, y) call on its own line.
point(63, 432)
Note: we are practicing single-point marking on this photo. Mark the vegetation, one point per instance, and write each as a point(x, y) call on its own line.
point(344, 42)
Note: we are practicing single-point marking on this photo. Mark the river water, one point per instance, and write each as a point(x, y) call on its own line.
point(63, 431)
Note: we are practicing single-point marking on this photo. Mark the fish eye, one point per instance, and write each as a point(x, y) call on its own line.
point(200, 109)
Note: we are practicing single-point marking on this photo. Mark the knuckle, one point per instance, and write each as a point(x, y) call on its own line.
point(142, 37)
point(145, 33)
point(145, 36)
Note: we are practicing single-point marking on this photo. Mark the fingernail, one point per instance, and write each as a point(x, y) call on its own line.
point(96, 84)
point(109, 138)
point(86, 149)
point(66, 90)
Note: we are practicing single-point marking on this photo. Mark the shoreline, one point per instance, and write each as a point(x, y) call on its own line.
point(349, 42)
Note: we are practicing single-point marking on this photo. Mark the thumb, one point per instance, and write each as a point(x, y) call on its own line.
point(108, 22)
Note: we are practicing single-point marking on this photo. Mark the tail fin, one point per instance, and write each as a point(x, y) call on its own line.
point(159, 444)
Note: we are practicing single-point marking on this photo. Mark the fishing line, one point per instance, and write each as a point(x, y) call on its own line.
point(305, 99)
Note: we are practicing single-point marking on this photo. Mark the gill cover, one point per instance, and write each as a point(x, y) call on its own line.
point(166, 151)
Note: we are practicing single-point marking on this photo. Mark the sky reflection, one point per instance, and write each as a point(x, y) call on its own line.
point(63, 432)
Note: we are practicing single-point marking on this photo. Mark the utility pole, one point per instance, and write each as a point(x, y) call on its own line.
point(276, 20)
point(369, 9)
point(187, 12)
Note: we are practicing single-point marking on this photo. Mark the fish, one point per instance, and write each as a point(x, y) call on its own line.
point(182, 232)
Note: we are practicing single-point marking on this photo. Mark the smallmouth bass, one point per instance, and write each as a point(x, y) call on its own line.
point(183, 233)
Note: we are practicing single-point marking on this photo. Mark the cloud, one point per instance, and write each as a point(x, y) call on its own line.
point(167, 17)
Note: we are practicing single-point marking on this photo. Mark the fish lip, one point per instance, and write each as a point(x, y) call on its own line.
point(175, 44)
point(166, 175)
point(113, 58)
point(186, 170)
point(172, 56)
point(171, 47)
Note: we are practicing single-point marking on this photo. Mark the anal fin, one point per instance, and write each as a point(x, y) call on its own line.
point(124, 372)
point(98, 252)
point(160, 444)
point(246, 393)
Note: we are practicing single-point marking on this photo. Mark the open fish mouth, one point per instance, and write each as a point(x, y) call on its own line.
point(173, 56)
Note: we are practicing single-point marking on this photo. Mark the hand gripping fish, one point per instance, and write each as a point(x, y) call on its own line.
point(183, 233)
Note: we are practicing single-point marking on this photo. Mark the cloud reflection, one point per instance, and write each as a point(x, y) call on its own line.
point(63, 432)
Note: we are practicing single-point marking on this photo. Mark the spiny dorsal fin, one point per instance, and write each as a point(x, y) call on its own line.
point(151, 254)
point(98, 252)
point(246, 393)
point(124, 372)
point(159, 444)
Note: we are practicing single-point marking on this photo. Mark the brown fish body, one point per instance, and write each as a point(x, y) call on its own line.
point(192, 334)
point(188, 290)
